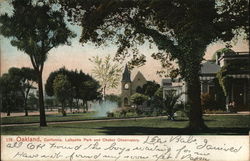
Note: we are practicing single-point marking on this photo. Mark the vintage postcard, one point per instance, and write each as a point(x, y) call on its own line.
point(124, 80)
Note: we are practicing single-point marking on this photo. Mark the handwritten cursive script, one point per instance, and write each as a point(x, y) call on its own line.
point(116, 148)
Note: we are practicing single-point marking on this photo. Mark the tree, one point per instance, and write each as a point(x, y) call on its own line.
point(114, 98)
point(89, 91)
point(35, 28)
point(181, 30)
point(32, 101)
point(62, 89)
point(12, 88)
point(84, 87)
point(150, 88)
point(7, 94)
point(222, 51)
point(28, 77)
point(138, 99)
point(157, 101)
point(106, 72)
point(70, 75)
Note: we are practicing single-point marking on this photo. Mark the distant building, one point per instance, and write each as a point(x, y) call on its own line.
point(208, 73)
point(128, 87)
point(240, 86)
point(176, 85)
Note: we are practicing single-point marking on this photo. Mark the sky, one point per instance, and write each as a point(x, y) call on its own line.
point(77, 56)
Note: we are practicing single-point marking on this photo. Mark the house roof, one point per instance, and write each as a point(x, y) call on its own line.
point(126, 75)
point(139, 77)
point(209, 67)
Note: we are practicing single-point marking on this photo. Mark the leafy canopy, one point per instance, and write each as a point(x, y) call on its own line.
point(83, 85)
point(35, 28)
point(181, 28)
point(62, 87)
point(106, 72)
point(138, 99)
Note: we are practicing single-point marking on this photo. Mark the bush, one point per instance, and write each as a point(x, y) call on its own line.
point(179, 107)
point(138, 99)
point(148, 113)
point(208, 102)
point(170, 101)
point(110, 114)
point(214, 112)
point(122, 112)
point(138, 111)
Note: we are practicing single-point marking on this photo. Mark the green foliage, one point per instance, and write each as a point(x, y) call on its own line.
point(150, 88)
point(220, 96)
point(138, 99)
point(110, 114)
point(181, 30)
point(62, 89)
point(157, 102)
point(40, 29)
point(32, 102)
point(10, 92)
point(106, 72)
point(16, 84)
point(159, 93)
point(35, 27)
point(49, 102)
point(83, 86)
point(207, 101)
point(226, 51)
point(215, 101)
point(170, 101)
point(123, 111)
point(114, 98)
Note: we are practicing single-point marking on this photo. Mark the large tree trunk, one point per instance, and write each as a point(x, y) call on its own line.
point(63, 109)
point(77, 104)
point(8, 111)
point(196, 121)
point(25, 101)
point(104, 93)
point(25, 107)
point(41, 100)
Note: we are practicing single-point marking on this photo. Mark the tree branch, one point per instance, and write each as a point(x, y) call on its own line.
point(162, 41)
point(33, 63)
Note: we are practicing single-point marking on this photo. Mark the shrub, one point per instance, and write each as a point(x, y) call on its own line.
point(170, 101)
point(138, 111)
point(110, 114)
point(122, 112)
point(208, 102)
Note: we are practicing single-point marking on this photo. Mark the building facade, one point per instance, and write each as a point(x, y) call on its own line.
point(128, 87)
point(238, 66)
point(238, 71)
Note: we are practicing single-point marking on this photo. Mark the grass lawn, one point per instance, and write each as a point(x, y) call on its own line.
point(218, 125)
point(49, 118)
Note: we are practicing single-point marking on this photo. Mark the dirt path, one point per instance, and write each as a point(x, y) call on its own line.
point(33, 113)
point(71, 122)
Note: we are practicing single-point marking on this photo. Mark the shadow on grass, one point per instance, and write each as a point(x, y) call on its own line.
point(138, 130)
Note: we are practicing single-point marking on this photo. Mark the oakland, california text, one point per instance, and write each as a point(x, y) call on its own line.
point(39, 139)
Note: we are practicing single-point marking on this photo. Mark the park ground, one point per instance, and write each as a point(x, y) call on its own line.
point(86, 124)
